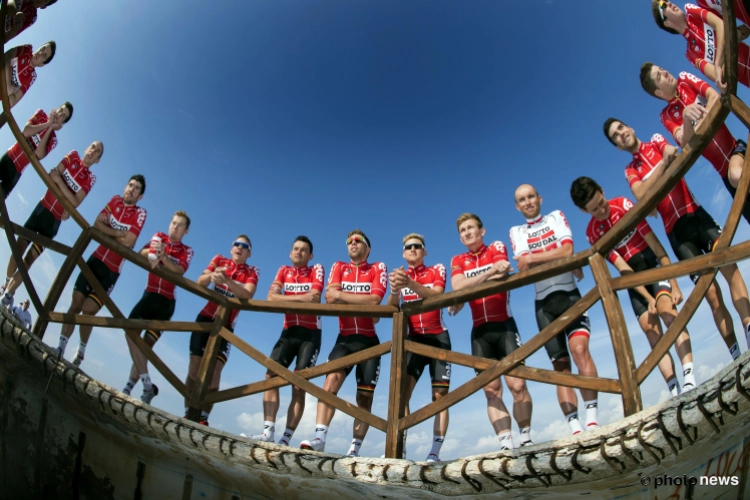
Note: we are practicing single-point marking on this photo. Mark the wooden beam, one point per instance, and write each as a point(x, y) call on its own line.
point(37, 238)
point(731, 42)
point(208, 364)
point(503, 366)
point(488, 288)
point(305, 385)
point(308, 373)
point(394, 438)
point(125, 323)
point(739, 108)
point(608, 385)
point(738, 205)
point(348, 310)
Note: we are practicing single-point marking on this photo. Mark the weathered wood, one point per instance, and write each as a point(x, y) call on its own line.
point(125, 323)
point(208, 364)
point(538, 375)
point(492, 287)
point(676, 171)
point(618, 330)
point(63, 275)
point(348, 310)
point(18, 256)
point(394, 439)
point(43, 241)
point(738, 204)
point(714, 260)
point(503, 366)
point(304, 384)
point(308, 373)
point(739, 108)
point(731, 42)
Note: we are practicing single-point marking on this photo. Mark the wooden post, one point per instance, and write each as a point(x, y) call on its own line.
point(394, 438)
point(631, 393)
point(208, 364)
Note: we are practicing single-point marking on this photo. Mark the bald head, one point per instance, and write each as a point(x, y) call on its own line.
point(524, 188)
point(528, 201)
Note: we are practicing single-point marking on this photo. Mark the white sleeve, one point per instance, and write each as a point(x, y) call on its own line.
point(518, 241)
point(562, 228)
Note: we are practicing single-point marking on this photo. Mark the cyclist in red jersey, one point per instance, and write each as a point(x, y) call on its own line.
point(690, 229)
point(704, 31)
point(231, 277)
point(740, 11)
point(158, 300)
point(20, 69)
point(638, 251)
point(40, 135)
point(121, 220)
point(494, 334)
point(75, 180)
point(415, 283)
point(692, 98)
point(21, 14)
point(357, 282)
point(546, 239)
point(300, 336)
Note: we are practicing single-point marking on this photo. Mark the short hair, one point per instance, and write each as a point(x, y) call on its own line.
point(607, 125)
point(140, 179)
point(246, 238)
point(648, 83)
point(583, 190)
point(102, 153)
point(70, 110)
point(52, 49)
point(303, 239)
point(184, 215)
point(361, 233)
point(50, 3)
point(655, 11)
point(415, 236)
point(467, 216)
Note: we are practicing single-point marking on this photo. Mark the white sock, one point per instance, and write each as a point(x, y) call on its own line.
point(674, 386)
point(287, 437)
point(573, 422)
point(525, 434)
point(146, 379)
point(591, 409)
point(506, 439)
point(747, 333)
point(7, 280)
point(129, 386)
point(62, 344)
point(688, 375)
point(269, 427)
point(321, 431)
point(437, 443)
point(735, 351)
point(204, 414)
point(356, 445)
point(81, 350)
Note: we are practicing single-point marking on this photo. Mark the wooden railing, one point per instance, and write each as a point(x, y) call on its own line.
point(630, 375)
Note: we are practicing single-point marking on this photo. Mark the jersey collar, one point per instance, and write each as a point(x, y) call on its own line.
point(531, 222)
point(479, 250)
point(361, 264)
point(418, 269)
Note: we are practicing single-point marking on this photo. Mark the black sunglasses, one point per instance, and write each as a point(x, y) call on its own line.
point(414, 246)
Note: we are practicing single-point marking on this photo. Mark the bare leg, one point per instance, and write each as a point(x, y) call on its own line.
point(90, 308)
point(566, 396)
point(668, 314)
point(364, 401)
point(270, 402)
point(296, 408)
point(13, 266)
point(522, 404)
point(440, 426)
point(75, 308)
point(579, 349)
point(652, 328)
point(195, 363)
point(721, 315)
point(496, 410)
point(738, 291)
point(214, 384)
point(333, 384)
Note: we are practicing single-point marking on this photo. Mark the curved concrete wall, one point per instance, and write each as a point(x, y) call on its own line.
point(83, 439)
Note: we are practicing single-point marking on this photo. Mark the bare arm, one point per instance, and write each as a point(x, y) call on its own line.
point(165, 262)
point(539, 258)
point(498, 270)
point(640, 188)
point(56, 175)
point(422, 290)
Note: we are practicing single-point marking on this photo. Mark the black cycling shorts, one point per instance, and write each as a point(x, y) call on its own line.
point(153, 306)
point(198, 341)
point(42, 221)
point(640, 262)
point(8, 174)
point(739, 149)
point(693, 235)
point(552, 307)
point(368, 371)
point(106, 277)
point(440, 371)
point(495, 340)
point(300, 342)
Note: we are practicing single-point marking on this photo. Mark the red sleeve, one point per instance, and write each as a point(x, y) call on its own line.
point(439, 275)
point(140, 220)
point(107, 210)
point(29, 17)
point(87, 187)
point(215, 262)
point(632, 175)
point(70, 158)
point(38, 117)
point(590, 235)
point(334, 278)
point(670, 124)
point(380, 280)
point(612, 256)
point(695, 83)
point(52, 142)
point(279, 279)
point(158, 235)
point(186, 258)
point(456, 267)
point(498, 251)
point(318, 277)
point(252, 276)
point(627, 205)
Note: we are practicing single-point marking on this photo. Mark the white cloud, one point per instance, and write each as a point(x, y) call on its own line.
point(22, 199)
point(705, 372)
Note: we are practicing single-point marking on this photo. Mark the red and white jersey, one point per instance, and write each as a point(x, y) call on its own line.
point(631, 244)
point(241, 274)
point(29, 13)
point(77, 177)
point(123, 218)
point(291, 280)
point(715, 5)
point(701, 48)
point(429, 323)
point(22, 73)
point(543, 234)
point(15, 153)
point(692, 89)
point(679, 201)
point(180, 255)
point(364, 279)
point(495, 307)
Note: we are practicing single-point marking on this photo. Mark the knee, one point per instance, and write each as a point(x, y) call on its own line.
point(364, 399)
point(493, 393)
point(562, 365)
point(579, 350)
point(438, 393)
point(298, 394)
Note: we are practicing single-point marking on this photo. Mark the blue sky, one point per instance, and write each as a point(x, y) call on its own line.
point(283, 118)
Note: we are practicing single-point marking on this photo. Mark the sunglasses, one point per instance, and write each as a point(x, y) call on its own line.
point(414, 246)
point(355, 239)
point(662, 7)
point(242, 244)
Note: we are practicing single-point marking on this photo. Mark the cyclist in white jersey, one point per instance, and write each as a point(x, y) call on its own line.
point(545, 239)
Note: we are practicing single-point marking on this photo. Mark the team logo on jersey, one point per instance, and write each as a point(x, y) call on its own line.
point(710, 54)
point(297, 287)
point(470, 273)
point(14, 74)
point(348, 286)
point(289, 274)
point(347, 272)
point(467, 262)
point(70, 181)
point(116, 224)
